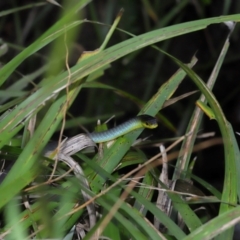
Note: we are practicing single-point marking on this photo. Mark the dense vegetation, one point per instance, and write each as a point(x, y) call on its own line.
point(65, 65)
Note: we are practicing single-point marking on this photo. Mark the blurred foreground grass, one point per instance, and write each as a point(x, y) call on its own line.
point(42, 199)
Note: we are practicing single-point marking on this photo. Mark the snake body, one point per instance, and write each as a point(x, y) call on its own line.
point(141, 121)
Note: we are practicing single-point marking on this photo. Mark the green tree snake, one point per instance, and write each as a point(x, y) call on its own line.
point(141, 121)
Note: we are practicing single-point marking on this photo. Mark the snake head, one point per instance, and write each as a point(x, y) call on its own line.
point(148, 121)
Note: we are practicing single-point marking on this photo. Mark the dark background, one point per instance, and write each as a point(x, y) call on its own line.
point(141, 73)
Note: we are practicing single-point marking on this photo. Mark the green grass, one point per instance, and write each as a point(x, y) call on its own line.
point(36, 107)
